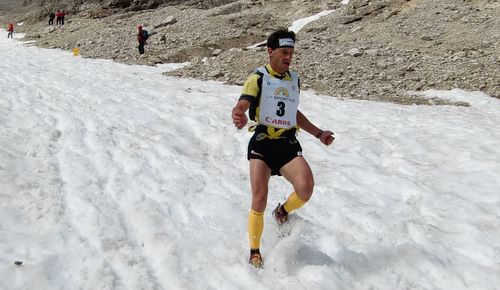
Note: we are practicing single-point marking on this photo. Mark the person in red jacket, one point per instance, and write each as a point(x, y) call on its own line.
point(10, 29)
point(141, 38)
point(58, 17)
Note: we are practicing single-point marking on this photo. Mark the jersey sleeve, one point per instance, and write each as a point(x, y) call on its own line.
point(250, 89)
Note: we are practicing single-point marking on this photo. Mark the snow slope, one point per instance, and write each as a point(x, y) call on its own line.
point(115, 177)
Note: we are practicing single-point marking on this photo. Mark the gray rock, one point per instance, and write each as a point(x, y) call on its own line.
point(367, 49)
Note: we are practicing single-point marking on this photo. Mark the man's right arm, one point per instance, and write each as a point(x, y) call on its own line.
point(238, 114)
point(248, 96)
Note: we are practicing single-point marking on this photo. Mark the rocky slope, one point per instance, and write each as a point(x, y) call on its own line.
point(377, 50)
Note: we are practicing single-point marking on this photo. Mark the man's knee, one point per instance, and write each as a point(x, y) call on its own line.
point(260, 194)
point(305, 189)
point(259, 200)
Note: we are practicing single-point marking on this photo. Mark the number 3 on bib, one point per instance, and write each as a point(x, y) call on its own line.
point(281, 111)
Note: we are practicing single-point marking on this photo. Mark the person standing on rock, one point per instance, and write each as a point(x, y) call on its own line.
point(142, 36)
point(271, 94)
point(63, 14)
point(10, 30)
point(52, 15)
point(58, 17)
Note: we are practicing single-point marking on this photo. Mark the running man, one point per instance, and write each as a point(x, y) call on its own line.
point(271, 94)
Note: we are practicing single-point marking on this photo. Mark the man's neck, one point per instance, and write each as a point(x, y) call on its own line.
point(273, 71)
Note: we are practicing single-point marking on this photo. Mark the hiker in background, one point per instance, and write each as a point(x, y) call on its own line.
point(142, 36)
point(10, 29)
point(63, 13)
point(58, 17)
point(52, 15)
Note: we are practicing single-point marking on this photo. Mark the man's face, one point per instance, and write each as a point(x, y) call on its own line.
point(280, 58)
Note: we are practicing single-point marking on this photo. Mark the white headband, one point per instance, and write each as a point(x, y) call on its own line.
point(286, 42)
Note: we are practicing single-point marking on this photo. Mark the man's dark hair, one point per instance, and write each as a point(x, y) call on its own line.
point(273, 41)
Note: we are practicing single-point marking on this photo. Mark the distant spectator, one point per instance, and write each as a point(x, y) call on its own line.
point(10, 29)
point(58, 17)
point(63, 13)
point(142, 36)
point(52, 15)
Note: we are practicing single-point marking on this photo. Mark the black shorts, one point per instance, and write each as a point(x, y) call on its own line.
point(274, 152)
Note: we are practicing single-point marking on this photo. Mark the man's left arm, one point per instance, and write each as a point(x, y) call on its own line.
point(326, 137)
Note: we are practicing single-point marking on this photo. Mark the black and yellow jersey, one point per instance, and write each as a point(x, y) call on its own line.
point(275, 114)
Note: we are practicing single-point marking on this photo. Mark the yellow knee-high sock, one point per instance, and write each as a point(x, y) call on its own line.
point(293, 202)
point(255, 228)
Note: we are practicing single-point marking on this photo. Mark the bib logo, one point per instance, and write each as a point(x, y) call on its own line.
point(281, 91)
point(273, 121)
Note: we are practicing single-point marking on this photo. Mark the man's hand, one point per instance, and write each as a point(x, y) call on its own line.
point(239, 117)
point(327, 137)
